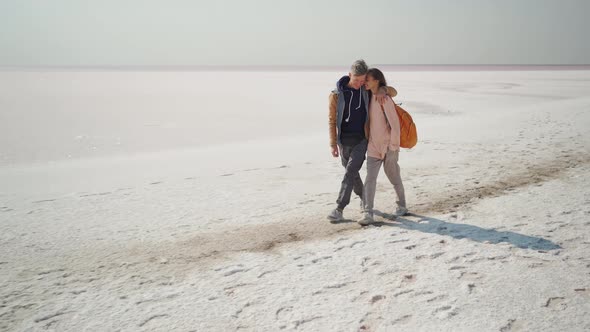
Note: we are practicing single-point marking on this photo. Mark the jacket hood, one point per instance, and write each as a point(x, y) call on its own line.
point(342, 84)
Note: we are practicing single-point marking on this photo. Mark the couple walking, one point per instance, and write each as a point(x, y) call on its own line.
point(363, 121)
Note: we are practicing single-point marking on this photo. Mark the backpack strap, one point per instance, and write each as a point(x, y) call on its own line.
point(387, 121)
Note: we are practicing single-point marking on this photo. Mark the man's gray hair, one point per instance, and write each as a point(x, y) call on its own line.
point(359, 67)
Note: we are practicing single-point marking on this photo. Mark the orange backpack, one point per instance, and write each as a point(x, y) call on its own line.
point(409, 136)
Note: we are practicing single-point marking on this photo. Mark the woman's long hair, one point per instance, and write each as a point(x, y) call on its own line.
point(376, 74)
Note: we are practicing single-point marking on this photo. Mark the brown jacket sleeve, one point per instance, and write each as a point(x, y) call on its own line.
point(332, 118)
point(391, 91)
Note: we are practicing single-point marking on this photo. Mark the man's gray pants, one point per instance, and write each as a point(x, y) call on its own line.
point(352, 158)
point(392, 170)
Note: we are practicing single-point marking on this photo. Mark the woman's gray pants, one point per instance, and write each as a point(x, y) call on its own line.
point(392, 170)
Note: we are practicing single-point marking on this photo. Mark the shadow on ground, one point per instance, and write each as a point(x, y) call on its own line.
point(466, 231)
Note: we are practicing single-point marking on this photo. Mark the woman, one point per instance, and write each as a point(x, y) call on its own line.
point(383, 148)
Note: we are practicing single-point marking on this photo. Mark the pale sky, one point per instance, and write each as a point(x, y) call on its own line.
point(296, 32)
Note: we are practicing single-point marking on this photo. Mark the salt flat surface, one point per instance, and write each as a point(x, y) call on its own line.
point(197, 201)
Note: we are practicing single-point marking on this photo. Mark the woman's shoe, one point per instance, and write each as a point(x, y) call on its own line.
point(367, 219)
point(401, 211)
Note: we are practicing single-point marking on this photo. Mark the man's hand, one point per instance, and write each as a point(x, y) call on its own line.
point(381, 95)
point(335, 152)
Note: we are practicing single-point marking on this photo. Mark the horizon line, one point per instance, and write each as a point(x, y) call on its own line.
point(416, 67)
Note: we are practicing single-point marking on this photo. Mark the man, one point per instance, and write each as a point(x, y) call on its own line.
point(349, 130)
